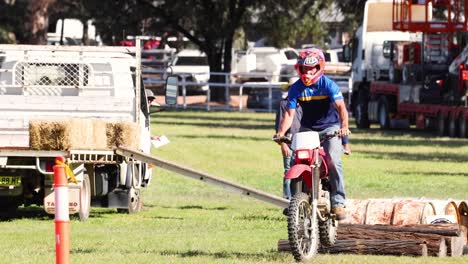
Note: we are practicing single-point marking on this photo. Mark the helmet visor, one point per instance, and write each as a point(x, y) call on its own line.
point(311, 70)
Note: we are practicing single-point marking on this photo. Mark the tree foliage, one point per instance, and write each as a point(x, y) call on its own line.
point(353, 10)
point(210, 24)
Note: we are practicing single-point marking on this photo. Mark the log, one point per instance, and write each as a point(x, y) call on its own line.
point(370, 247)
point(439, 229)
point(379, 247)
point(436, 244)
point(455, 244)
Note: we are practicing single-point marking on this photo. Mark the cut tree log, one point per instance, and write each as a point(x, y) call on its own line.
point(439, 229)
point(454, 235)
point(455, 244)
point(379, 247)
point(439, 240)
point(370, 247)
point(436, 244)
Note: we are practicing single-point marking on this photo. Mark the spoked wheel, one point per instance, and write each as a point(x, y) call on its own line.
point(85, 198)
point(303, 228)
point(327, 231)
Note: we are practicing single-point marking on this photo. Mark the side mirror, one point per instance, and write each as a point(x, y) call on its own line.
point(171, 90)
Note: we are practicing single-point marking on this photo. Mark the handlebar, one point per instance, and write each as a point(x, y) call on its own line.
point(323, 138)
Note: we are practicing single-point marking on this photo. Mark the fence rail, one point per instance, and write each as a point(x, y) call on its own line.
point(265, 94)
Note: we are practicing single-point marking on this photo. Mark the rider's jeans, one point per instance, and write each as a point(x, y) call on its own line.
point(288, 162)
point(334, 150)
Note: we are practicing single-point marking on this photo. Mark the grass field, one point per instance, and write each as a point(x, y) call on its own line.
point(184, 221)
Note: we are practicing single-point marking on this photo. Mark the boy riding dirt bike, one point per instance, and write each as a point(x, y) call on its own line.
point(324, 111)
point(317, 178)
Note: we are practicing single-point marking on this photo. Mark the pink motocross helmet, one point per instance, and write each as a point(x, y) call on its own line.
point(310, 65)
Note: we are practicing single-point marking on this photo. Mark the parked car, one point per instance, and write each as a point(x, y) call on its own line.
point(262, 64)
point(193, 66)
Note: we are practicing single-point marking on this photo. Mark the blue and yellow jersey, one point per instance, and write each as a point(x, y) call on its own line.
point(316, 102)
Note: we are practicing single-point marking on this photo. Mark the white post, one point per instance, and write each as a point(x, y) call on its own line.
point(137, 79)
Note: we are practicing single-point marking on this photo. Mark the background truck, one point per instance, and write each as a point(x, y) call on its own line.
point(59, 84)
point(419, 79)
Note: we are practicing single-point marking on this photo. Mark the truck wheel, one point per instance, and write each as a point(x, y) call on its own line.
point(361, 115)
point(452, 125)
point(462, 124)
point(134, 202)
point(440, 124)
point(85, 198)
point(384, 117)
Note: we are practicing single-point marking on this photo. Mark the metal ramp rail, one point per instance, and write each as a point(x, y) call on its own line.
point(204, 177)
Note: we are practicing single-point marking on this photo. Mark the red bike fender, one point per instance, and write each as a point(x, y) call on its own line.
point(297, 170)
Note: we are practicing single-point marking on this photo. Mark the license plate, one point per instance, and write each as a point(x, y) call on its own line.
point(10, 180)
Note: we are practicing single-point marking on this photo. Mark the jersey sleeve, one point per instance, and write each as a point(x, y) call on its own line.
point(293, 94)
point(334, 91)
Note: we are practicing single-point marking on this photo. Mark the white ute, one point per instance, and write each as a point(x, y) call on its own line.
point(192, 67)
point(53, 82)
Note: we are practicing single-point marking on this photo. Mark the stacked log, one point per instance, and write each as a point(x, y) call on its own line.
point(409, 240)
point(403, 211)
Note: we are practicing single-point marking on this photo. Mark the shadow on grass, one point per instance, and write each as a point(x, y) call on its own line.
point(226, 137)
point(33, 213)
point(209, 117)
point(434, 142)
point(82, 251)
point(168, 218)
point(201, 207)
point(270, 125)
point(195, 207)
point(441, 157)
point(430, 173)
point(103, 212)
point(269, 255)
point(278, 218)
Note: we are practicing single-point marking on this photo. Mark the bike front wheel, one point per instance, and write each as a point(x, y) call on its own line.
point(303, 229)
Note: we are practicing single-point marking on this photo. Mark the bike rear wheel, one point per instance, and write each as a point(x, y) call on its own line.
point(303, 230)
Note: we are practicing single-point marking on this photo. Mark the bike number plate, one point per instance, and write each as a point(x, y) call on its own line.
point(7, 181)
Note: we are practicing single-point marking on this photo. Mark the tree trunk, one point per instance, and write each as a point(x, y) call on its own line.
point(218, 93)
point(380, 247)
point(85, 37)
point(39, 21)
point(452, 235)
point(376, 247)
point(439, 240)
point(439, 229)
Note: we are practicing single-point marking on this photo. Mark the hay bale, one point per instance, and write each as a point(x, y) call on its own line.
point(123, 134)
point(67, 134)
point(100, 134)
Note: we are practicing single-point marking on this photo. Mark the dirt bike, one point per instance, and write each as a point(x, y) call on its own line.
point(310, 220)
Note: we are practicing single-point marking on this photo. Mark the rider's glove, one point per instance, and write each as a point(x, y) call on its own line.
point(344, 132)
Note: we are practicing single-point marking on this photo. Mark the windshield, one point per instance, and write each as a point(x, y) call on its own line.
point(190, 60)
